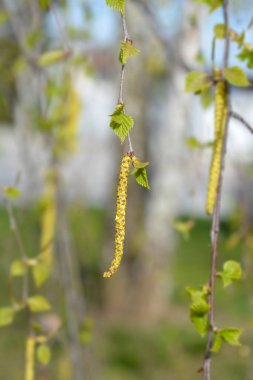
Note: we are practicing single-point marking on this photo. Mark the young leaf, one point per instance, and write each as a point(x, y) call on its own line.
point(38, 303)
point(11, 192)
point(43, 354)
point(231, 272)
point(199, 308)
point(120, 122)
point(217, 342)
point(196, 81)
point(140, 172)
point(220, 31)
point(126, 51)
point(6, 316)
point(231, 336)
point(201, 324)
point(119, 5)
point(18, 268)
point(236, 76)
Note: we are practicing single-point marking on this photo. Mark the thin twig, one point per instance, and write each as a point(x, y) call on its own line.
point(122, 77)
point(62, 32)
point(216, 217)
point(238, 117)
point(14, 228)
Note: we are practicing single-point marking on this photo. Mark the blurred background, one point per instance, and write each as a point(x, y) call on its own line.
point(57, 150)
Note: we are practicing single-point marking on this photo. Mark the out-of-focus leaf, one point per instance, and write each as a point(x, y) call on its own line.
point(43, 354)
point(196, 81)
point(38, 303)
point(6, 316)
point(236, 76)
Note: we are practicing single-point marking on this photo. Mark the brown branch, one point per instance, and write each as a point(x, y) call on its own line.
point(238, 117)
point(216, 216)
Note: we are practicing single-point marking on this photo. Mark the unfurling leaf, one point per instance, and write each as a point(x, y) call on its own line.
point(217, 342)
point(120, 122)
point(119, 5)
point(140, 172)
point(38, 303)
point(199, 309)
point(229, 335)
point(232, 271)
point(196, 81)
point(236, 76)
point(6, 316)
point(126, 51)
point(43, 354)
point(201, 324)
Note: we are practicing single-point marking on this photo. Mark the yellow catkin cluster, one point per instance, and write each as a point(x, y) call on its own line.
point(29, 360)
point(220, 122)
point(120, 218)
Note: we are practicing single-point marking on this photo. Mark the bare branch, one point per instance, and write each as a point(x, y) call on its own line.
point(238, 117)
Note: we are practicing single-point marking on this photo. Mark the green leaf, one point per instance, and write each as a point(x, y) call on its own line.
point(38, 303)
point(18, 268)
point(201, 324)
point(6, 316)
point(217, 342)
point(196, 81)
point(236, 76)
point(142, 178)
point(200, 308)
point(231, 336)
point(232, 271)
point(119, 5)
point(51, 57)
point(45, 4)
point(43, 354)
point(220, 31)
point(121, 123)
point(126, 51)
point(11, 192)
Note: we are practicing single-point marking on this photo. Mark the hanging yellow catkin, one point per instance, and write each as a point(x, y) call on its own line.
point(220, 122)
point(120, 218)
point(29, 358)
